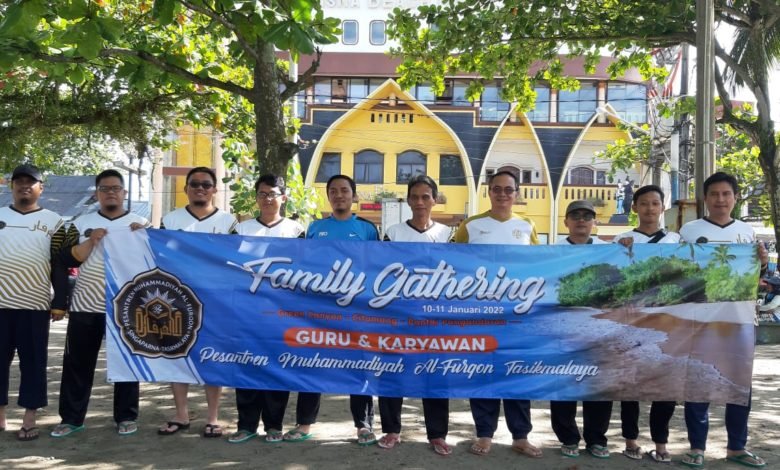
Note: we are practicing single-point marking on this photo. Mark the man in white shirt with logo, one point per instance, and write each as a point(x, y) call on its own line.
point(30, 237)
point(421, 197)
point(720, 191)
point(500, 225)
point(199, 215)
point(87, 322)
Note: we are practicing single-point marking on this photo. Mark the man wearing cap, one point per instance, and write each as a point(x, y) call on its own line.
point(580, 220)
point(30, 237)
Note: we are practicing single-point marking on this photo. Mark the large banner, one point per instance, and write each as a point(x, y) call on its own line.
point(588, 322)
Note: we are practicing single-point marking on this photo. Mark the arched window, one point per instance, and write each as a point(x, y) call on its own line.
point(330, 165)
point(369, 167)
point(581, 176)
point(410, 163)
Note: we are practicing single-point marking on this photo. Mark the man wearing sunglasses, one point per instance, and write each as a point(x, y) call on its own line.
point(87, 323)
point(580, 220)
point(500, 225)
point(30, 237)
point(199, 215)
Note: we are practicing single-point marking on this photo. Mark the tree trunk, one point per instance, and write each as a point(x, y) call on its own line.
point(772, 178)
point(273, 151)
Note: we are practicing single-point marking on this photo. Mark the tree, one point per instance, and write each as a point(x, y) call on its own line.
point(186, 45)
point(70, 129)
point(506, 39)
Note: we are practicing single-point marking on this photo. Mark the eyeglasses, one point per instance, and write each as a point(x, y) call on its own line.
point(200, 184)
point(271, 195)
point(587, 216)
point(110, 189)
point(506, 190)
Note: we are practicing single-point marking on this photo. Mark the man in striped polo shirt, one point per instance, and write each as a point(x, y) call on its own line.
point(30, 237)
point(87, 323)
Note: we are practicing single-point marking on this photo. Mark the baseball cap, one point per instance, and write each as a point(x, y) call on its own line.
point(578, 205)
point(27, 170)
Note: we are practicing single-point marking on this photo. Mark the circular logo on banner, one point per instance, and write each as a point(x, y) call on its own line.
point(157, 315)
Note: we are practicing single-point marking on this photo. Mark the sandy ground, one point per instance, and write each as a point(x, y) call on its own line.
point(334, 446)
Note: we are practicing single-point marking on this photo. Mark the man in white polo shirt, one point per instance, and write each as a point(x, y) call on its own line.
point(199, 215)
point(500, 225)
point(720, 191)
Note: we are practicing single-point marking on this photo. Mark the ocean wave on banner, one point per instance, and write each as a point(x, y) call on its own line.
point(119, 271)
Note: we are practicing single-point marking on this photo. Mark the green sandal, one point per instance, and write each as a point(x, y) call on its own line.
point(63, 430)
point(693, 460)
point(241, 436)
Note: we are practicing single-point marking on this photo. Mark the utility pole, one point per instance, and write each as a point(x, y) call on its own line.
point(705, 92)
point(685, 132)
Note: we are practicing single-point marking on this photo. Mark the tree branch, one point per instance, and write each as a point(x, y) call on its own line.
point(306, 80)
point(228, 25)
point(738, 69)
point(726, 105)
point(733, 16)
point(155, 61)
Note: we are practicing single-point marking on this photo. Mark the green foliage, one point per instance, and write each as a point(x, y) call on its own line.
point(303, 201)
point(658, 281)
point(590, 286)
point(195, 47)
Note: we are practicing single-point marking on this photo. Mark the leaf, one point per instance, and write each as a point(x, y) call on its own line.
point(90, 44)
point(76, 76)
point(73, 10)
point(163, 10)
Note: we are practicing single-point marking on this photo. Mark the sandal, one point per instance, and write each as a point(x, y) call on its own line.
point(571, 451)
point(660, 457)
point(241, 436)
point(633, 453)
point(274, 435)
point(600, 452)
point(477, 448)
point(296, 435)
point(172, 427)
point(366, 437)
point(693, 460)
point(747, 459)
point(440, 446)
point(64, 430)
point(212, 430)
point(126, 428)
point(389, 441)
point(27, 434)
point(527, 450)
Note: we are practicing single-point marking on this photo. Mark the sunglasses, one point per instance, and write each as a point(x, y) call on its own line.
point(200, 184)
point(110, 189)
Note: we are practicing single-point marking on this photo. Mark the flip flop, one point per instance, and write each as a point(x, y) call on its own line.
point(570, 451)
point(693, 460)
point(633, 453)
point(366, 438)
point(177, 426)
point(479, 449)
point(241, 436)
point(27, 434)
point(528, 451)
point(597, 451)
point(660, 457)
point(389, 442)
point(63, 430)
point(273, 436)
point(212, 431)
point(741, 459)
point(126, 428)
point(440, 446)
point(296, 435)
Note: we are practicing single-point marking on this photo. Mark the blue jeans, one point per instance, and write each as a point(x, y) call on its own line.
point(698, 422)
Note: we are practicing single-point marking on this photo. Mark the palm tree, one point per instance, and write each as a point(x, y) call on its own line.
point(722, 256)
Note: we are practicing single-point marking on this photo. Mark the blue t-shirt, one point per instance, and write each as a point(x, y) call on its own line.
point(354, 228)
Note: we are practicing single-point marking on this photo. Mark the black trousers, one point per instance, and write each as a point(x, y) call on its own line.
point(271, 406)
point(362, 408)
point(25, 332)
point(82, 346)
point(661, 413)
point(485, 412)
point(595, 418)
point(435, 410)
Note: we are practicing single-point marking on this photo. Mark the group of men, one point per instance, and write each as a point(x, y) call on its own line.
point(36, 248)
